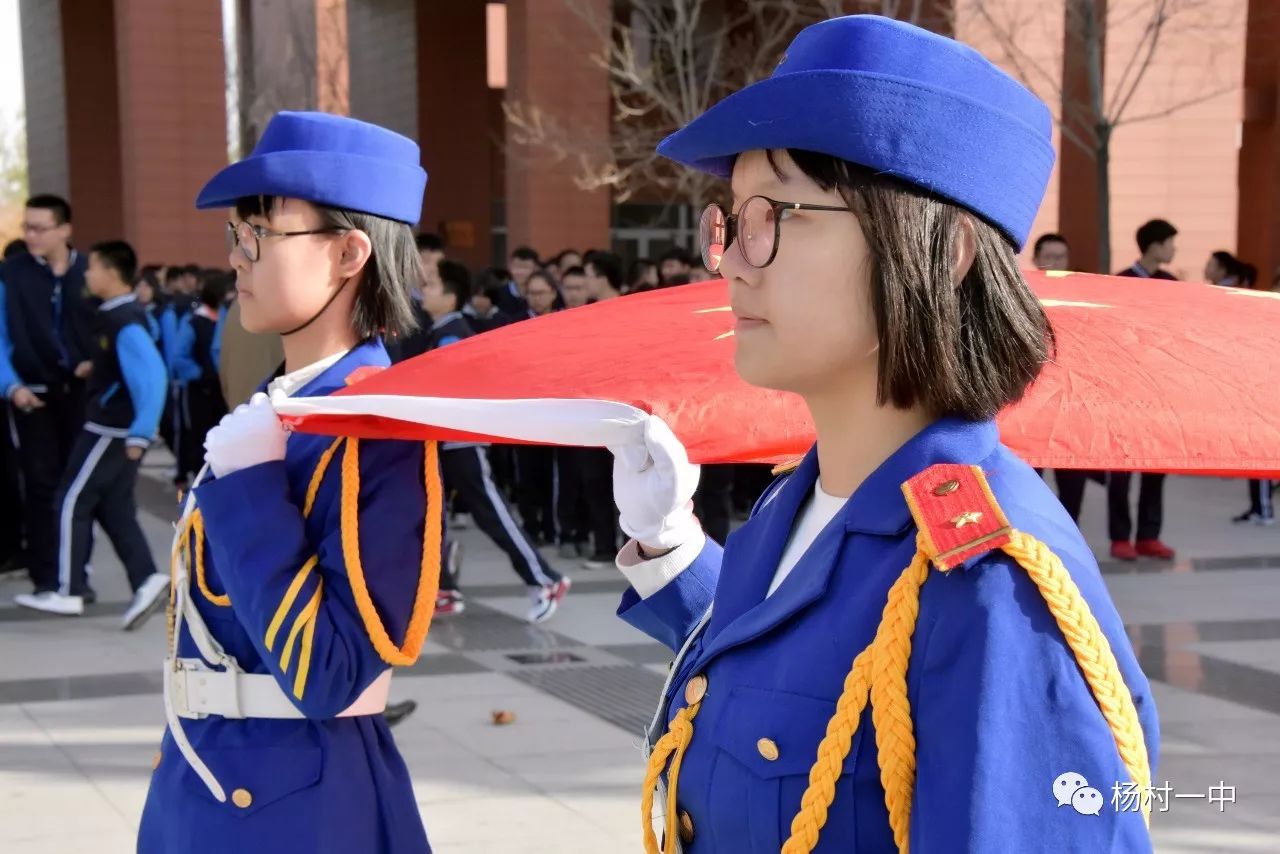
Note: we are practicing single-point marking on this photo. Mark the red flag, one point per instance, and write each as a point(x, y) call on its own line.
point(1150, 375)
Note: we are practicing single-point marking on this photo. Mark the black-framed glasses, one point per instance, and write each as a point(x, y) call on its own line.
point(247, 237)
point(757, 226)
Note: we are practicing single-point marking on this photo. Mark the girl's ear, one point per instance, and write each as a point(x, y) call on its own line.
point(963, 249)
point(355, 250)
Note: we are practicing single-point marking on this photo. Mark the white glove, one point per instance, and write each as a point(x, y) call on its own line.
point(653, 485)
point(250, 435)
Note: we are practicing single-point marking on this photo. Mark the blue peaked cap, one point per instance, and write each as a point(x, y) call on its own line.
point(328, 160)
point(899, 100)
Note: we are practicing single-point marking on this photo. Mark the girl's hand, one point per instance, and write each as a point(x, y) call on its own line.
point(653, 486)
point(249, 436)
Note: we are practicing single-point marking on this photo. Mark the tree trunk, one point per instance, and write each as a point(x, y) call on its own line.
point(248, 89)
point(1102, 175)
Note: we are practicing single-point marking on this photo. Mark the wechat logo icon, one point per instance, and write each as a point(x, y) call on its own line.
point(1073, 790)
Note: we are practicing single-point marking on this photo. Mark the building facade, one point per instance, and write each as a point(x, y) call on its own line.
point(129, 104)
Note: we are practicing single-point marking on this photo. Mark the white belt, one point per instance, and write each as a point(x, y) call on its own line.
point(193, 690)
point(197, 691)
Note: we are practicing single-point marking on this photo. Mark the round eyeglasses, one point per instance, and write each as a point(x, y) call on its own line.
point(247, 237)
point(757, 227)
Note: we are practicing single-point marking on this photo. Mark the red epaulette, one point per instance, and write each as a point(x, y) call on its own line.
point(956, 513)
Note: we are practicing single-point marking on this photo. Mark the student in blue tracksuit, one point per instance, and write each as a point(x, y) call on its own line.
point(465, 465)
point(125, 394)
point(195, 362)
point(909, 646)
point(307, 565)
point(172, 321)
point(46, 330)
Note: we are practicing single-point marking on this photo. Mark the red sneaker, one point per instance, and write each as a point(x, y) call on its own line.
point(450, 603)
point(1123, 550)
point(1154, 548)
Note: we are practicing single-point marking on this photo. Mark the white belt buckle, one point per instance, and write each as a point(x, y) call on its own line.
point(210, 692)
point(177, 676)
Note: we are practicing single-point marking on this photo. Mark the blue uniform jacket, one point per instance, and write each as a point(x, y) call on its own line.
point(319, 784)
point(1000, 706)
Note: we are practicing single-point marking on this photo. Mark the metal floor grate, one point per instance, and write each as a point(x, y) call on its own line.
point(622, 695)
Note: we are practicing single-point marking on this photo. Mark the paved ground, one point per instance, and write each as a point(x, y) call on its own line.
point(80, 715)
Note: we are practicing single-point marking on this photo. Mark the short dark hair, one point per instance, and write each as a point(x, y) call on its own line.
point(1228, 262)
point(119, 256)
point(677, 253)
point(172, 274)
point(492, 279)
point(1248, 274)
point(1155, 231)
point(429, 242)
point(573, 271)
point(967, 351)
point(546, 276)
point(608, 265)
point(383, 305)
point(1045, 239)
point(215, 286)
point(525, 253)
point(60, 207)
point(455, 278)
point(150, 274)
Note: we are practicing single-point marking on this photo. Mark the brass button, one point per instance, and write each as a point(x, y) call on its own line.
point(768, 749)
point(686, 827)
point(155, 763)
point(946, 488)
point(695, 689)
point(242, 798)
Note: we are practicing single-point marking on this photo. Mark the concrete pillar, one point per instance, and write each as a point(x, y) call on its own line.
point(548, 50)
point(45, 94)
point(382, 39)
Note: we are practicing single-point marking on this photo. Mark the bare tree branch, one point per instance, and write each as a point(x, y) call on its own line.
point(1181, 105)
point(667, 62)
point(1151, 41)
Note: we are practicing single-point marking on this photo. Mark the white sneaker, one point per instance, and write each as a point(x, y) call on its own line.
point(546, 600)
point(51, 602)
point(146, 601)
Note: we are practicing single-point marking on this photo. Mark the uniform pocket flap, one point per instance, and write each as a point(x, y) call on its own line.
point(254, 777)
point(774, 733)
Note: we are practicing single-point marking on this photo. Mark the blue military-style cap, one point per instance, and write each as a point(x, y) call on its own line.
point(329, 160)
point(899, 100)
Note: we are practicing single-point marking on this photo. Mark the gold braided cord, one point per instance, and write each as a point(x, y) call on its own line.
point(890, 709)
point(672, 745)
point(1093, 654)
point(878, 675)
point(424, 602)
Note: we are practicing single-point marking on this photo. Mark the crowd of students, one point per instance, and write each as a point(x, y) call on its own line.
point(526, 497)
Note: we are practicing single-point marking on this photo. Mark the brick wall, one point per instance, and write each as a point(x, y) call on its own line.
point(173, 130)
point(548, 66)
